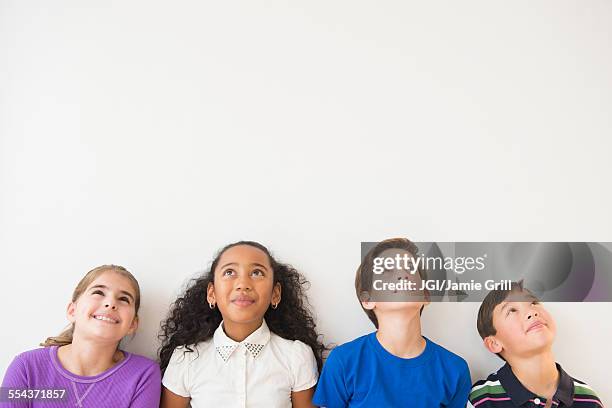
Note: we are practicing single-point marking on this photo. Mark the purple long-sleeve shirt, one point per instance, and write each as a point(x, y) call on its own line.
point(134, 382)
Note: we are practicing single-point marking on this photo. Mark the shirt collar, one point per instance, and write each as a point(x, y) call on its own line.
point(565, 389)
point(253, 343)
point(520, 395)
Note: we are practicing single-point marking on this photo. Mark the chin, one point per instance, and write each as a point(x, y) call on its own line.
point(539, 346)
point(408, 307)
point(243, 318)
point(543, 336)
point(106, 337)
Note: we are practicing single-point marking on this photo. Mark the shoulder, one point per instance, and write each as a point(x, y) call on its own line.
point(290, 346)
point(350, 356)
point(488, 388)
point(140, 360)
point(299, 359)
point(142, 363)
point(295, 351)
point(350, 349)
point(447, 357)
point(27, 366)
point(34, 358)
point(584, 391)
point(35, 354)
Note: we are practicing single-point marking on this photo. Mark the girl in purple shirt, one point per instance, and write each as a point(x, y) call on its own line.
point(83, 366)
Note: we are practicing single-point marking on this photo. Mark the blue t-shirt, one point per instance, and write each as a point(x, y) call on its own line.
point(362, 373)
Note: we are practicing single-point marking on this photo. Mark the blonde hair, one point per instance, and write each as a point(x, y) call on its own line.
point(65, 337)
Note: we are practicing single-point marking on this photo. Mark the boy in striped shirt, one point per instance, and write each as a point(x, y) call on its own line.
point(515, 326)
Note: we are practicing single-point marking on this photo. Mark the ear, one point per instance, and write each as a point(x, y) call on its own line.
point(276, 293)
point(493, 345)
point(368, 305)
point(427, 297)
point(71, 311)
point(134, 325)
point(210, 293)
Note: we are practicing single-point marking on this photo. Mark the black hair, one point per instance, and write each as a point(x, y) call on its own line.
point(484, 321)
point(191, 320)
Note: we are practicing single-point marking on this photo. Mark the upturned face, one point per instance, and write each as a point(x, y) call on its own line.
point(243, 287)
point(106, 309)
point(523, 327)
point(402, 302)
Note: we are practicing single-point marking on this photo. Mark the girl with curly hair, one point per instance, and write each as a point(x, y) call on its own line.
point(241, 335)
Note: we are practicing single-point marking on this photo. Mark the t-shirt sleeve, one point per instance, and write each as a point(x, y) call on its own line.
point(332, 391)
point(464, 384)
point(303, 367)
point(16, 375)
point(149, 389)
point(176, 376)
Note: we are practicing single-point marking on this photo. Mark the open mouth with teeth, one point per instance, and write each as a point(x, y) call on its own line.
point(105, 319)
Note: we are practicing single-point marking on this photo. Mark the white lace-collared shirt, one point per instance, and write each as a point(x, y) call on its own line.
point(260, 371)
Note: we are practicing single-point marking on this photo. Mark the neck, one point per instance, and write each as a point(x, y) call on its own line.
point(401, 335)
point(538, 373)
point(240, 331)
point(88, 358)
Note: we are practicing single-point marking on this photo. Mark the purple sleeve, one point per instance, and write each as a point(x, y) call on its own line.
point(148, 393)
point(16, 375)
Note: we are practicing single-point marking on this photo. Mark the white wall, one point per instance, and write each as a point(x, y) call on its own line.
point(150, 134)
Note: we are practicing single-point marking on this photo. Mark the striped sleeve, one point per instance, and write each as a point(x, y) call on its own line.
point(486, 391)
point(584, 394)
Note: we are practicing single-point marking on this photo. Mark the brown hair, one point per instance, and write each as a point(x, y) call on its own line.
point(363, 277)
point(484, 322)
point(65, 337)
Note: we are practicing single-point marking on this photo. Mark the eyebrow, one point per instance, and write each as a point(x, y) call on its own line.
point(253, 264)
point(258, 264)
point(228, 264)
point(106, 287)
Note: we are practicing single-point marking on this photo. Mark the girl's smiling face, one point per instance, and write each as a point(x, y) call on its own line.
point(243, 287)
point(106, 309)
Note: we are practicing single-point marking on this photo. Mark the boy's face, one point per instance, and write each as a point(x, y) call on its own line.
point(524, 327)
point(403, 302)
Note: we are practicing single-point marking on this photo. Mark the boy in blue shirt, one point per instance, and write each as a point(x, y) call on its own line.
point(394, 366)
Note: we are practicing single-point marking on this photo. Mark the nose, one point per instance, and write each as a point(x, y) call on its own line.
point(243, 283)
point(532, 314)
point(112, 307)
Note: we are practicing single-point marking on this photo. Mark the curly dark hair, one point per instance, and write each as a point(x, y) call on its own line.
point(191, 320)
